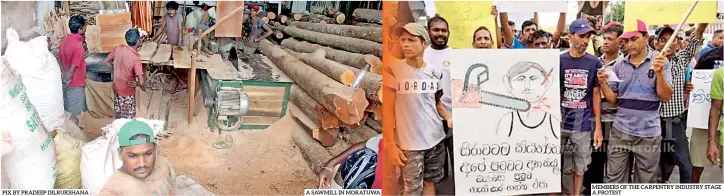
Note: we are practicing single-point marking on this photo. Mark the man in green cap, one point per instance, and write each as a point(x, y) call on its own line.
point(143, 172)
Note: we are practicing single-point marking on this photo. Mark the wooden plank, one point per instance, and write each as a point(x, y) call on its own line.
point(93, 39)
point(265, 103)
point(261, 95)
point(224, 71)
point(154, 107)
point(224, 8)
point(163, 54)
point(122, 27)
point(113, 19)
point(259, 120)
point(147, 51)
point(264, 88)
point(113, 39)
point(181, 57)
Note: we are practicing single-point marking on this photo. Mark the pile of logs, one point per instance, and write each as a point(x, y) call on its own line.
point(87, 9)
point(324, 57)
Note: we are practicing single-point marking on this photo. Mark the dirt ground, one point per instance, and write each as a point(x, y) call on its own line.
point(259, 162)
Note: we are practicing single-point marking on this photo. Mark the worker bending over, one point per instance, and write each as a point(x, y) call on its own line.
point(143, 172)
point(255, 26)
point(172, 25)
point(126, 67)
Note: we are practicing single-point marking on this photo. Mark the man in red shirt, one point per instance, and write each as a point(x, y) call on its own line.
point(126, 67)
point(72, 63)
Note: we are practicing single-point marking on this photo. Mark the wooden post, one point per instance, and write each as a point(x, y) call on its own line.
point(192, 71)
point(192, 85)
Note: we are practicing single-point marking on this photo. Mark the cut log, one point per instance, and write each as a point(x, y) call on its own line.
point(374, 124)
point(326, 137)
point(316, 112)
point(341, 73)
point(367, 33)
point(265, 19)
point(344, 74)
point(283, 19)
point(355, 60)
point(271, 15)
point(339, 17)
point(277, 23)
point(358, 135)
point(315, 154)
point(301, 16)
point(279, 35)
point(367, 15)
point(346, 103)
point(335, 41)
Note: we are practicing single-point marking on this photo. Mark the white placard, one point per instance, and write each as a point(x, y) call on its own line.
point(720, 7)
point(501, 149)
point(700, 99)
point(532, 6)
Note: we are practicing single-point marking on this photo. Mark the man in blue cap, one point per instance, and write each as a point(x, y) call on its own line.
point(580, 94)
point(143, 172)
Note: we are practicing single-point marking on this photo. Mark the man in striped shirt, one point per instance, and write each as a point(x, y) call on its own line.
point(675, 146)
point(636, 127)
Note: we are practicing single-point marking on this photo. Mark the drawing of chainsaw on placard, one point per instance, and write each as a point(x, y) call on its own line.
point(472, 96)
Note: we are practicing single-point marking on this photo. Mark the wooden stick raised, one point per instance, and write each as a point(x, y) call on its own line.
point(673, 36)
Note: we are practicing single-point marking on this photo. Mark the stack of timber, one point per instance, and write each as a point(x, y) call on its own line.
point(323, 58)
point(87, 9)
point(109, 32)
point(57, 22)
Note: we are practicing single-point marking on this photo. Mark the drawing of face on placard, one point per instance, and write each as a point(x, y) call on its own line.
point(528, 80)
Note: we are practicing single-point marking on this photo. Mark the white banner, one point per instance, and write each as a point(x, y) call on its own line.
point(506, 114)
point(656, 189)
point(700, 99)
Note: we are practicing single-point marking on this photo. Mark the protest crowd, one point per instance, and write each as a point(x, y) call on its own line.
point(630, 126)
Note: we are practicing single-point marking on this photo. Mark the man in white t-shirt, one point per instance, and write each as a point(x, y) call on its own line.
point(436, 55)
point(416, 142)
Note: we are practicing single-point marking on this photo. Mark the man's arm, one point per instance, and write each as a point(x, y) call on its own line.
point(180, 30)
point(342, 156)
point(559, 28)
point(441, 108)
point(159, 31)
point(389, 87)
point(717, 86)
point(714, 116)
point(268, 30)
point(507, 32)
point(663, 77)
point(608, 92)
point(109, 59)
point(690, 51)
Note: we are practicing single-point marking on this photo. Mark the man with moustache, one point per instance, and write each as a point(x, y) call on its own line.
point(436, 55)
point(143, 171)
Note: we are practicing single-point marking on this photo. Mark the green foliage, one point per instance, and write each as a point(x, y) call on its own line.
point(617, 12)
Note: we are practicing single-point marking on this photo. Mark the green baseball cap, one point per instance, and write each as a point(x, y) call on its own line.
point(132, 128)
point(414, 29)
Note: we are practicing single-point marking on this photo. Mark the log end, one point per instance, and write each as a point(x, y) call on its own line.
point(348, 77)
point(352, 111)
point(322, 22)
point(328, 120)
point(271, 15)
point(340, 18)
point(277, 23)
point(326, 137)
point(265, 19)
point(279, 35)
point(283, 19)
point(298, 16)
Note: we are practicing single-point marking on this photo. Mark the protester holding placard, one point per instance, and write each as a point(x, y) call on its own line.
point(672, 120)
point(636, 127)
point(580, 100)
point(711, 60)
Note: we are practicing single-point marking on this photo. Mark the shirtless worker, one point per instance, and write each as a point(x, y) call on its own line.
point(143, 172)
point(255, 26)
point(172, 25)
